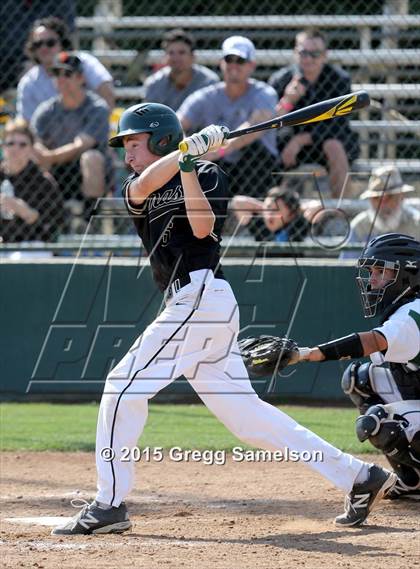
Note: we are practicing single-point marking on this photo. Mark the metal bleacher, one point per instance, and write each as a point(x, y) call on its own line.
point(391, 75)
point(363, 24)
point(371, 58)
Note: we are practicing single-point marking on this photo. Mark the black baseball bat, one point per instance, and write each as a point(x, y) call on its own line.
point(325, 110)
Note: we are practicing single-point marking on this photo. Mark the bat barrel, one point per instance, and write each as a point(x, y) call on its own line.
point(324, 110)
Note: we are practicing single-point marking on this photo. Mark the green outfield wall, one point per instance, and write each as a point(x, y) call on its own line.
point(64, 324)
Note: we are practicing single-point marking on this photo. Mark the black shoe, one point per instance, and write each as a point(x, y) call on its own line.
point(364, 496)
point(402, 491)
point(93, 519)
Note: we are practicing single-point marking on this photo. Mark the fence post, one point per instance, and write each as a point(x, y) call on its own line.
point(106, 9)
point(387, 147)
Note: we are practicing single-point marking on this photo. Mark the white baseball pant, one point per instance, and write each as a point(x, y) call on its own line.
point(196, 336)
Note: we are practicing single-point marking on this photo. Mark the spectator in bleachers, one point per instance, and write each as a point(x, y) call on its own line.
point(31, 206)
point(309, 80)
point(17, 17)
point(387, 212)
point(180, 77)
point(46, 39)
point(237, 102)
point(72, 131)
point(280, 212)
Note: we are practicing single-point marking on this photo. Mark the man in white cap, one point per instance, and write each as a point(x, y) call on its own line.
point(387, 212)
point(237, 102)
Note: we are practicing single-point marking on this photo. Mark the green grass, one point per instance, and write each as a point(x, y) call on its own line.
point(42, 426)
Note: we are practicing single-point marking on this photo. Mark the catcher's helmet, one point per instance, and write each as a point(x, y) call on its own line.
point(395, 251)
point(158, 120)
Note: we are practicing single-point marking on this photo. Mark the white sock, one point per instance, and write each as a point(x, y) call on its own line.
point(363, 474)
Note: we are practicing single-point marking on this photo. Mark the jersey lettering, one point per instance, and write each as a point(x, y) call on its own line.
point(165, 230)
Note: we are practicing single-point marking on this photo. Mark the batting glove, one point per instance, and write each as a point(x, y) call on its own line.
point(209, 138)
point(215, 134)
point(198, 144)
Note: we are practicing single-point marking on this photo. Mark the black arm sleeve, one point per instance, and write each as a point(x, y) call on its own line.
point(344, 348)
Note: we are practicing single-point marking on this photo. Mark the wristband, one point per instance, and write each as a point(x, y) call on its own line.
point(187, 162)
point(304, 354)
point(286, 106)
point(345, 348)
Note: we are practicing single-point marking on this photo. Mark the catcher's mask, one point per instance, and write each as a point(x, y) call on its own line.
point(155, 119)
point(397, 252)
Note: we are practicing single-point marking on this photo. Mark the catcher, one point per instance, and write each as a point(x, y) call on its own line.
point(386, 390)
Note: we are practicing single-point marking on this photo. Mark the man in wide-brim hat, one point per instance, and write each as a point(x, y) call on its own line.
point(386, 181)
point(387, 212)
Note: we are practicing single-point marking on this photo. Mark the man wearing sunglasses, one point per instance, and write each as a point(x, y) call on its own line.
point(237, 102)
point(309, 80)
point(72, 131)
point(46, 39)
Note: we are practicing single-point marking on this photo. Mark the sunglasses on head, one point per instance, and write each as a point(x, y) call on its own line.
point(234, 59)
point(50, 42)
point(62, 72)
point(307, 53)
point(19, 143)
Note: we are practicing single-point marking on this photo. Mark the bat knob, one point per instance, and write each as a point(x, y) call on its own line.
point(183, 146)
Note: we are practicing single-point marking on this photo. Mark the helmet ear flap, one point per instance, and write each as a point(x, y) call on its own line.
point(158, 145)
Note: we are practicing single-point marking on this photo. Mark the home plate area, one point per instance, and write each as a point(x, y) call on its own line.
point(195, 515)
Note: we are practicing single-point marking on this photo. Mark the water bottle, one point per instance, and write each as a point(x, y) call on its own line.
point(7, 189)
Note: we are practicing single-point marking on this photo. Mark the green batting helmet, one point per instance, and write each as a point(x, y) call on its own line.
point(158, 120)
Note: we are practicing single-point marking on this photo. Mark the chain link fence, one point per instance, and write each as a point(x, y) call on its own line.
point(49, 188)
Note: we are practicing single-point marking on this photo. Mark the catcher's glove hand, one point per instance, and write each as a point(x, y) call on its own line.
point(266, 354)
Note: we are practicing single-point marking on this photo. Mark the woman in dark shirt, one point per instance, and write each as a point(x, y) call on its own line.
point(277, 218)
point(31, 207)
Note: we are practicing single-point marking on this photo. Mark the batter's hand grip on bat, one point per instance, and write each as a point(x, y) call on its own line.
point(183, 145)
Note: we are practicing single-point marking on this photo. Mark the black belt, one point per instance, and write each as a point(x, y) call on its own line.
point(176, 286)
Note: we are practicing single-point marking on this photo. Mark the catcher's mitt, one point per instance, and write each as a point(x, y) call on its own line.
point(266, 354)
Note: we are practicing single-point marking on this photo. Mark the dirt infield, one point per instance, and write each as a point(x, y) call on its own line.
point(195, 515)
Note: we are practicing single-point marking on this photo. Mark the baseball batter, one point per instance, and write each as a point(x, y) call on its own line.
point(178, 203)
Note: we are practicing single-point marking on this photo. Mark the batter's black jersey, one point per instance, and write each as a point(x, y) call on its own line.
point(162, 224)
